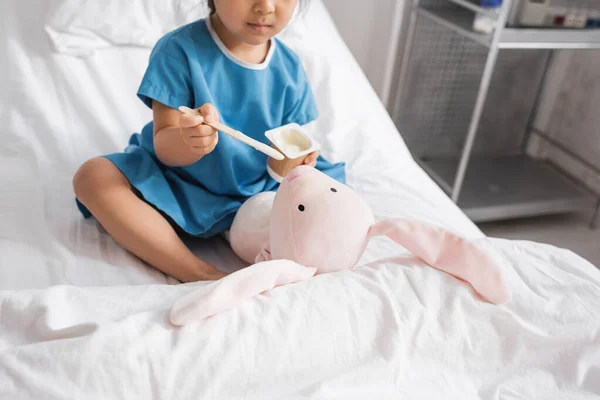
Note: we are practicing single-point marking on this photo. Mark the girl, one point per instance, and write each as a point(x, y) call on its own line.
point(181, 176)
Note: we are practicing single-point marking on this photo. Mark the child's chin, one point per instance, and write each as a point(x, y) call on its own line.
point(256, 40)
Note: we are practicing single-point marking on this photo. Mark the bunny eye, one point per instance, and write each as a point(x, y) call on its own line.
point(334, 190)
point(301, 208)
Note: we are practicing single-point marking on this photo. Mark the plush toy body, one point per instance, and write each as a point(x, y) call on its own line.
point(315, 224)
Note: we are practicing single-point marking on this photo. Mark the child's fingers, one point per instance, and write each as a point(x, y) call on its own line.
point(312, 158)
point(187, 121)
point(202, 147)
point(201, 131)
point(310, 162)
point(201, 141)
point(209, 112)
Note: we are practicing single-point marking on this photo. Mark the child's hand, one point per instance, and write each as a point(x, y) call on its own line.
point(201, 138)
point(311, 159)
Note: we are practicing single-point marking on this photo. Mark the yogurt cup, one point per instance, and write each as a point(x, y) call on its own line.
point(294, 143)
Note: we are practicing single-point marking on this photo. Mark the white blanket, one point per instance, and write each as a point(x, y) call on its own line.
point(381, 331)
point(81, 318)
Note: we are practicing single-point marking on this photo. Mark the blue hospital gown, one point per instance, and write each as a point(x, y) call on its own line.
point(191, 66)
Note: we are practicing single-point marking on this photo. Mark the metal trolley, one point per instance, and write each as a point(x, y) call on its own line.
point(486, 187)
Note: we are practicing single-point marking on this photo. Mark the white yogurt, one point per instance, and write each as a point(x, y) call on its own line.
point(291, 142)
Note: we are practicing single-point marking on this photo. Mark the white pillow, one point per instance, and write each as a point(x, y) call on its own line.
point(79, 27)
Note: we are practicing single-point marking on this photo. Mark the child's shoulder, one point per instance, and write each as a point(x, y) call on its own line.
point(288, 57)
point(182, 37)
point(286, 53)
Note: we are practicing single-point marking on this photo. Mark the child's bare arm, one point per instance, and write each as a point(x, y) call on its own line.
point(181, 140)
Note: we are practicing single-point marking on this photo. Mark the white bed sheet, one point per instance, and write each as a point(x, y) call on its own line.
point(81, 318)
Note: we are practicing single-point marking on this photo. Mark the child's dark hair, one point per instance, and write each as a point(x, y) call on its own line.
point(302, 5)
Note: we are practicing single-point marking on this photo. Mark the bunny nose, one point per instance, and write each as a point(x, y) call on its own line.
point(296, 172)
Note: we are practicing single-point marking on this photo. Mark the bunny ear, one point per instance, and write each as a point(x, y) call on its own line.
point(450, 253)
point(232, 290)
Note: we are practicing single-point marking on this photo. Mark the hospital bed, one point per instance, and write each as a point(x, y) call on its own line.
point(82, 318)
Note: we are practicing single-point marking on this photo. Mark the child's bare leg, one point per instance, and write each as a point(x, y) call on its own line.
point(134, 224)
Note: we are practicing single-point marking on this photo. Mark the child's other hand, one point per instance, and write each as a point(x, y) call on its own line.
point(201, 138)
point(311, 159)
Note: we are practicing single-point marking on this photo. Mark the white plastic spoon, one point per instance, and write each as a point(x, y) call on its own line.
point(263, 148)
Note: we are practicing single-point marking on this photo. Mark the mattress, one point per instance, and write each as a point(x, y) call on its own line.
point(82, 318)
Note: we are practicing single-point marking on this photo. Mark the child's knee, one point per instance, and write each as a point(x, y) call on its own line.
point(95, 176)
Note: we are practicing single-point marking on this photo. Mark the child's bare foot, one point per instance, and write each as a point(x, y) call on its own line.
point(215, 276)
point(208, 272)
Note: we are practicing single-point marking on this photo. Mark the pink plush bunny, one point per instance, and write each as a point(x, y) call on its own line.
point(319, 225)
